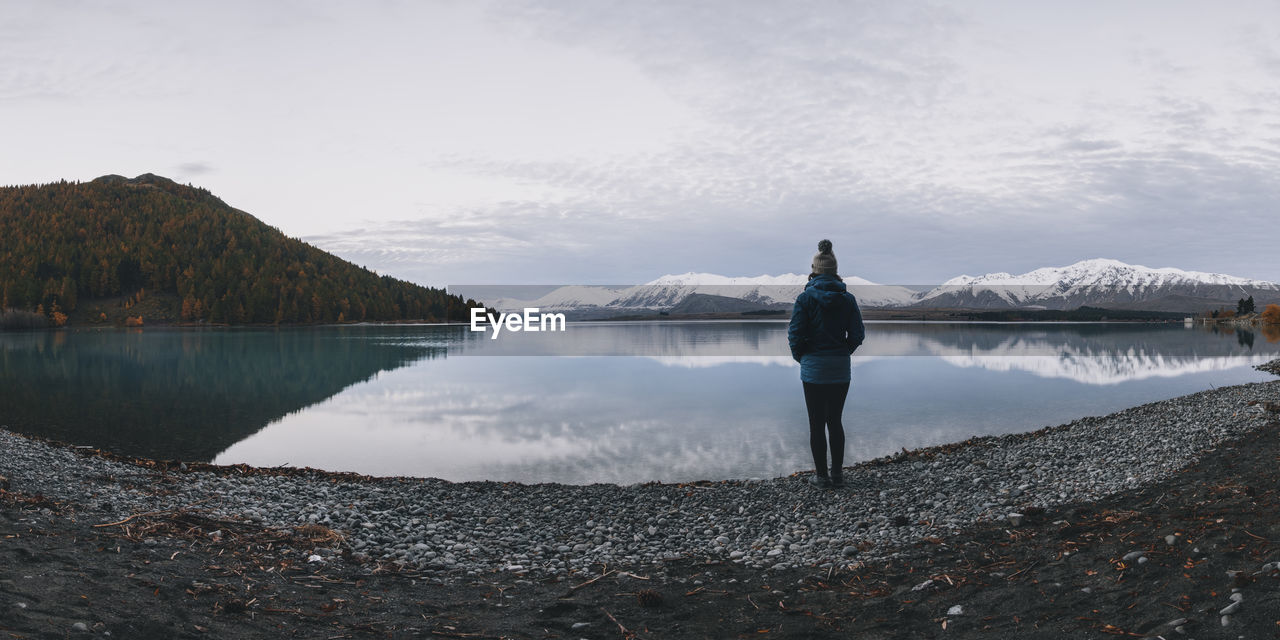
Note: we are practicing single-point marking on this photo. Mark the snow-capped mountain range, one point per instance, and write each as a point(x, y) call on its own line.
point(1098, 282)
point(670, 290)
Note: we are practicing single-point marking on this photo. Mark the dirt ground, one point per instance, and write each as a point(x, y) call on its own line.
point(1065, 572)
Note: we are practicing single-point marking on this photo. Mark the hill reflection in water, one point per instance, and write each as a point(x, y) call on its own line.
point(664, 401)
point(180, 394)
point(720, 400)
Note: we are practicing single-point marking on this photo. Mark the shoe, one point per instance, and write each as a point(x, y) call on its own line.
point(837, 477)
point(821, 482)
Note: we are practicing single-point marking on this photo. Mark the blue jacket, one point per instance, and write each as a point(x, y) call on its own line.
point(826, 327)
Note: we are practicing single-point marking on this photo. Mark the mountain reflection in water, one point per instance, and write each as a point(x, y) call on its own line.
point(182, 395)
point(663, 401)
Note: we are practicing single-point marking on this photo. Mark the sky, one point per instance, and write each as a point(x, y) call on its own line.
point(596, 142)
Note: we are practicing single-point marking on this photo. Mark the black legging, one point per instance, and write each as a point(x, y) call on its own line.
point(825, 403)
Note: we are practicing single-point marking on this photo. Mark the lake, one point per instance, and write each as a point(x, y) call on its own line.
point(601, 402)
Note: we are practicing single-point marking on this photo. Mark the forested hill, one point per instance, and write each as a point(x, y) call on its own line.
point(120, 241)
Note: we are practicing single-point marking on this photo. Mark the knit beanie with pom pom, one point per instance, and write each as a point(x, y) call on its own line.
point(824, 262)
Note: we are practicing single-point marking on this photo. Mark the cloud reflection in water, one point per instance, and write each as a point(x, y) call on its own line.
point(714, 401)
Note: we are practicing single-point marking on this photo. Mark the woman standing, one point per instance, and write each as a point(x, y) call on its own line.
point(826, 327)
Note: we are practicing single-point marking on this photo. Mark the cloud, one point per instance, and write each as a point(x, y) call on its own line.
point(896, 126)
point(603, 142)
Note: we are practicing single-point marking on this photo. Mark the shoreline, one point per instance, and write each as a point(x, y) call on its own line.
point(470, 528)
point(180, 467)
point(85, 541)
point(869, 316)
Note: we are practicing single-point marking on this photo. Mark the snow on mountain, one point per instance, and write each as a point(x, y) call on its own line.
point(1098, 282)
point(1103, 270)
point(568, 297)
point(711, 279)
point(781, 289)
point(669, 290)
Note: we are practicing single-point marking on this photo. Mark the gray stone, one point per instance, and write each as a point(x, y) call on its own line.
point(631, 527)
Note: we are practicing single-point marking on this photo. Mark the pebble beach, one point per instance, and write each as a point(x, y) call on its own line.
point(455, 531)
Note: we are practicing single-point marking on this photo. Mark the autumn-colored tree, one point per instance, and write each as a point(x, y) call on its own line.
point(56, 316)
point(68, 242)
point(1271, 315)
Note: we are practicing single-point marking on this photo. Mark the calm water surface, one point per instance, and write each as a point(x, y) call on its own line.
point(601, 402)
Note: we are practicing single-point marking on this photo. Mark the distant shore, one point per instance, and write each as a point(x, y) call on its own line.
point(477, 535)
point(165, 318)
point(214, 325)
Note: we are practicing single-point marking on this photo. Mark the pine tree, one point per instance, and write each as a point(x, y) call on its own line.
point(71, 243)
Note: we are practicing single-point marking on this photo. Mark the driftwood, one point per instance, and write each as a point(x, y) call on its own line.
point(151, 513)
point(579, 586)
point(626, 633)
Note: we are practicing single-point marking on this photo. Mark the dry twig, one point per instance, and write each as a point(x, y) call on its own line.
point(579, 586)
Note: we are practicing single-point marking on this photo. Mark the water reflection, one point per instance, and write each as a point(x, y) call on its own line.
point(178, 394)
point(704, 400)
point(709, 400)
point(755, 339)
